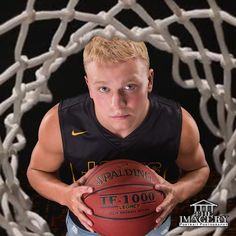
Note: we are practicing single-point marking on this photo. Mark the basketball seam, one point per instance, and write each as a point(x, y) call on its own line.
point(121, 185)
point(129, 218)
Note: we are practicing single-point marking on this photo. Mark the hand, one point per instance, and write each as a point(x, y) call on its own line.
point(170, 201)
point(73, 199)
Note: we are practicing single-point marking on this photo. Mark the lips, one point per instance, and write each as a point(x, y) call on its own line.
point(120, 117)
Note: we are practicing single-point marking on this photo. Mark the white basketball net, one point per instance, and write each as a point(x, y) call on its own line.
point(15, 215)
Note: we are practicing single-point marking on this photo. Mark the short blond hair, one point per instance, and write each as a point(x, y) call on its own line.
point(115, 50)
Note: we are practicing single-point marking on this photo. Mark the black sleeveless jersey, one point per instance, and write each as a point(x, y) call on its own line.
point(87, 143)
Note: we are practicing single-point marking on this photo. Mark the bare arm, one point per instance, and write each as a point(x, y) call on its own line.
point(191, 160)
point(46, 159)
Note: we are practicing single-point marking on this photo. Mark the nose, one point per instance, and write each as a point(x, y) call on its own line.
point(118, 100)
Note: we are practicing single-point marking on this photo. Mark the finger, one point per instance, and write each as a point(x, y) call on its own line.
point(81, 181)
point(85, 220)
point(160, 220)
point(159, 178)
point(88, 228)
point(164, 205)
point(84, 189)
point(163, 215)
point(74, 184)
point(163, 188)
point(92, 170)
point(85, 208)
point(84, 177)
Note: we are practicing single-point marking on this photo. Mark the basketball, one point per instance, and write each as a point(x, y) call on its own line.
point(124, 199)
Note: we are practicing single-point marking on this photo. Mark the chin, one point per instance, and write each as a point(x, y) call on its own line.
point(122, 129)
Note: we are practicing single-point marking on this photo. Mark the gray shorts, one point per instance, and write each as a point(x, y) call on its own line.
point(74, 230)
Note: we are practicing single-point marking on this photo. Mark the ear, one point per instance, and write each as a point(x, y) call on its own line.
point(150, 80)
point(86, 80)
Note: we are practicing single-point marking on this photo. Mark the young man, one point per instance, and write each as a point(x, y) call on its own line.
point(119, 118)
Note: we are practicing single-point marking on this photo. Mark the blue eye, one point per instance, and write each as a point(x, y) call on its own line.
point(103, 89)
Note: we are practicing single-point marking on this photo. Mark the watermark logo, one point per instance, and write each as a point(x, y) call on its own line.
point(203, 215)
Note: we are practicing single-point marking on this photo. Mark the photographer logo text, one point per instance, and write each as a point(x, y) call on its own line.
point(204, 216)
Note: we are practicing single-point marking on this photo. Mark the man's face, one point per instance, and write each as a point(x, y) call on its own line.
point(120, 93)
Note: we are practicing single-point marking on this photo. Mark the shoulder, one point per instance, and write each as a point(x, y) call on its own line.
point(50, 118)
point(190, 150)
point(48, 152)
point(49, 130)
point(190, 133)
point(191, 154)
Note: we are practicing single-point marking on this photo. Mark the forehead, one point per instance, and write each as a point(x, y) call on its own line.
point(129, 68)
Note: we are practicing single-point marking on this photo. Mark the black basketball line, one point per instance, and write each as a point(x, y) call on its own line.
point(127, 218)
point(115, 206)
point(139, 191)
point(147, 202)
point(108, 164)
point(113, 163)
point(121, 185)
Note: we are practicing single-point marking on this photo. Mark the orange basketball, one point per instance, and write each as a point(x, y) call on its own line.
point(124, 200)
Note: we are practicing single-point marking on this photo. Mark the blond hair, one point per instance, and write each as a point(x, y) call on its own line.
point(115, 50)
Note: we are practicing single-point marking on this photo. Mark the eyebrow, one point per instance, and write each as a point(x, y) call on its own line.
point(101, 82)
point(107, 82)
point(131, 80)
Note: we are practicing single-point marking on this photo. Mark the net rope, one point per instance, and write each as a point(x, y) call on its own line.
point(16, 216)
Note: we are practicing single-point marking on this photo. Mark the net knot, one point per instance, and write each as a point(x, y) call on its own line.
point(109, 32)
point(67, 15)
point(138, 32)
point(182, 16)
point(30, 16)
point(24, 62)
point(127, 3)
point(105, 18)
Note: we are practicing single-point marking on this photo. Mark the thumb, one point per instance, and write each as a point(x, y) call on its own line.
point(163, 188)
point(83, 178)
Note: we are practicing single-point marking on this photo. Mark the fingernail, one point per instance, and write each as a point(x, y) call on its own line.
point(157, 221)
point(158, 209)
point(89, 212)
point(157, 186)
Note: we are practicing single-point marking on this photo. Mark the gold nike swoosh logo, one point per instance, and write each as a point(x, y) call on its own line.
point(77, 133)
